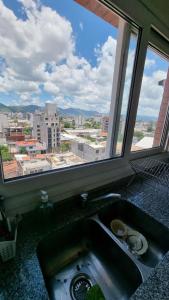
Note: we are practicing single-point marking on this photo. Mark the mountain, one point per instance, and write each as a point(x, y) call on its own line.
point(4, 108)
point(24, 109)
point(146, 118)
point(77, 112)
point(63, 112)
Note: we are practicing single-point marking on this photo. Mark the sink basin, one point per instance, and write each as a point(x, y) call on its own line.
point(82, 254)
point(156, 234)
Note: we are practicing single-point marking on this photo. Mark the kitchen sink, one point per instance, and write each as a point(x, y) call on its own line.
point(83, 254)
point(156, 234)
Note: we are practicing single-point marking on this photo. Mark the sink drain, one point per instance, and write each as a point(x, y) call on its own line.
point(79, 286)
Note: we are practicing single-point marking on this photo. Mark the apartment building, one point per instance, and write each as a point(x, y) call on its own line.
point(14, 133)
point(28, 167)
point(46, 127)
point(3, 123)
point(105, 123)
point(88, 151)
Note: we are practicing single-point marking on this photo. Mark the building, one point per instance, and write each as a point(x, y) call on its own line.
point(4, 123)
point(105, 123)
point(79, 120)
point(88, 151)
point(163, 109)
point(14, 133)
point(31, 147)
point(28, 166)
point(46, 127)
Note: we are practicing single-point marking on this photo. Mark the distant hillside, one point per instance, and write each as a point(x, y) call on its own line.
point(63, 112)
point(4, 108)
point(24, 109)
point(78, 112)
point(146, 118)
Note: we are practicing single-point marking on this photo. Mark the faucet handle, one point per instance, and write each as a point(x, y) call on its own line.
point(44, 196)
point(84, 198)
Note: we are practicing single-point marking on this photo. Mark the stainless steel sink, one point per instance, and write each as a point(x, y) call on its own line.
point(83, 254)
point(157, 235)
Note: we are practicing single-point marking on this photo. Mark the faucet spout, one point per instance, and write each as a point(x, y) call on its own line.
point(107, 197)
point(110, 196)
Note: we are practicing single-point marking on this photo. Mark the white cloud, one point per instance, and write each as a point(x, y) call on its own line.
point(42, 38)
point(30, 4)
point(151, 94)
point(51, 88)
point(40, 51)
point(81, 26)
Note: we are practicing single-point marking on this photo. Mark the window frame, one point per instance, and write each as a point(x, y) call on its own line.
point(125, 29)
point(158, 43)
point(21, 194)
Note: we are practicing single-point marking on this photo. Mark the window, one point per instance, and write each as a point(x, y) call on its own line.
point(153, 102)
point(123, 108)
point(74, 71)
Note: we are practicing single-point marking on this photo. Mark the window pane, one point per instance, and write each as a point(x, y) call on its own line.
point(56, 73)
point(153, 103)
point(126, 91)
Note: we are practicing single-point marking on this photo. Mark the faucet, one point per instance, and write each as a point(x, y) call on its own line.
point(84, 198)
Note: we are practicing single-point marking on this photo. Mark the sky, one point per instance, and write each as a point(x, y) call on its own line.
point(60, 52)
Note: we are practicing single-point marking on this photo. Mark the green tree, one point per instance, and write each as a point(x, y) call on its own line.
point(88, 137)
point(67, 125)
point(27, 131)
point(87, 125)
point(150, 128)
point(73, 124)
point(139, 135)
point(22, 150)
point(6, 156)
point(96, 125)
point(64, 147)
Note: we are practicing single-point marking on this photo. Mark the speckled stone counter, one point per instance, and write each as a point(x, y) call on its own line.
point(21, 278)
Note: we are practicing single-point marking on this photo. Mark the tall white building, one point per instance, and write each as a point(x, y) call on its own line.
point(79, 120)
point(46, 127)
point(4, 123)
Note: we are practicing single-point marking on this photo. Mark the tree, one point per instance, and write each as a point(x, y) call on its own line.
point(67, 125)
point(88, 137)
point(27, 131)
point(6, 156)
point(139, 135)
point(150, 128)
point(87, 125)
point(96, 125)
point(64, 147)
point(22, 150)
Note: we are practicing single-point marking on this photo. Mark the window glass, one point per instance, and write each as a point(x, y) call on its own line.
point(153, 102)
point(56, 71)
point(126, 91)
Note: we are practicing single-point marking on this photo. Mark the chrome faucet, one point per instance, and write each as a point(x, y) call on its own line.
point(85, 200)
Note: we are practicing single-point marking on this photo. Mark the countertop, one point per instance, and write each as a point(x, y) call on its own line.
point(21, 277)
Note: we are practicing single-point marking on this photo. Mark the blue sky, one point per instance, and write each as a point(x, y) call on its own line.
point(89, 32)
point(86, 39)
point(79, 76)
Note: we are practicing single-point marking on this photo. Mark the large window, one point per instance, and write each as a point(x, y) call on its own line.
point(58, 85)
point(153, 102)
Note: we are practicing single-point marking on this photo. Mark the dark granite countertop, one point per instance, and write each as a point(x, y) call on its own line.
point(21, 278)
